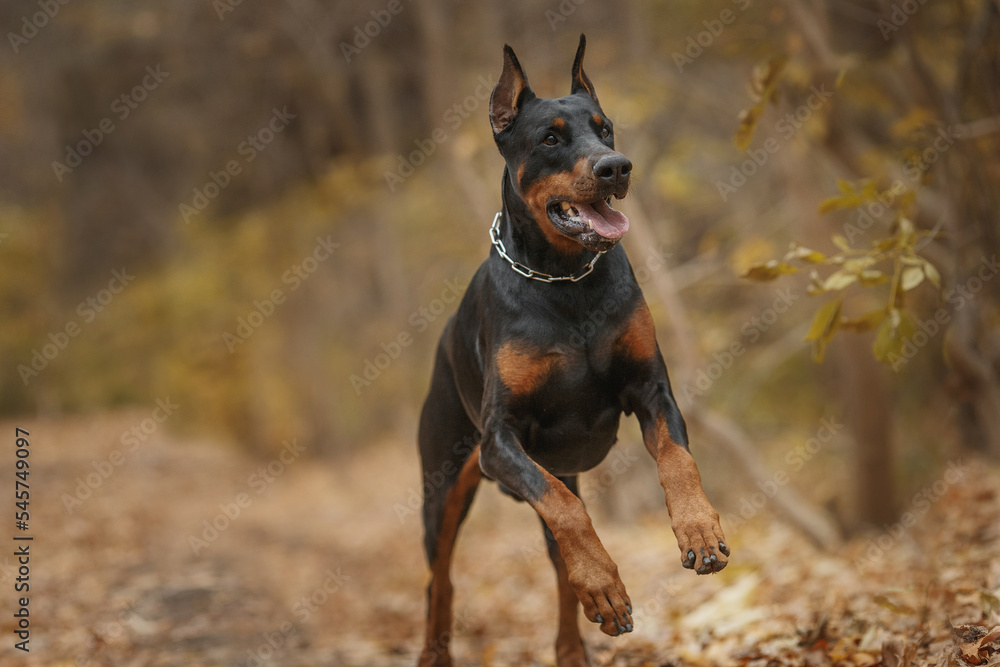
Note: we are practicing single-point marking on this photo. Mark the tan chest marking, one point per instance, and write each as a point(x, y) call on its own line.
point(639, 339)
point(522, 369)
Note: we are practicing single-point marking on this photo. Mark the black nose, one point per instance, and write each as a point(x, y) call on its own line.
point(613, 168)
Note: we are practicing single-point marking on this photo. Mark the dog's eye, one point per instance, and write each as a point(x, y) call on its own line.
point(605, 132)
point(550, 139)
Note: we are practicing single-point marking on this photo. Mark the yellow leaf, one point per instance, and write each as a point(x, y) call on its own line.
point(824, 319)
point(805, 254)
point(768, 270)
point(858, 264)
point(763, 85)
point(839, 280)
point(912, 276)
point(892, 335)
point(823, 327)
point(905, 232)
point(836, 203)
point(932, 274)
point(841, 242)
point(872, 277)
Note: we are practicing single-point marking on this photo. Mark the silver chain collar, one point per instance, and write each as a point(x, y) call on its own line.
point(531, 273)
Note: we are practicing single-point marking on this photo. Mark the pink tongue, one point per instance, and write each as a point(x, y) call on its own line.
point(606, 221)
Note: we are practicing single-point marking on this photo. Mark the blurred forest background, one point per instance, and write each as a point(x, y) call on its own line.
point(266, 211)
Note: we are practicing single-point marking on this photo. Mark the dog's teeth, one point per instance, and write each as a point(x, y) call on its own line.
point(565, 205)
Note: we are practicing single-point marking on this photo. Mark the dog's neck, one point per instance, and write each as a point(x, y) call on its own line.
point(525, 242)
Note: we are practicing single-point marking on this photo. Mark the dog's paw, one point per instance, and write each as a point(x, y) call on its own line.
point(603, 596)
point(702, 544)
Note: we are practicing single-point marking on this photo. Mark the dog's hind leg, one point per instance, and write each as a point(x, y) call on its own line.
point(569, 647)
point(449, 453)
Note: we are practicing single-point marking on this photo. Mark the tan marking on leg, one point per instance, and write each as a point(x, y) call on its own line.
point(522, 370)
point(639, 339)
point(590, 572)
point(435, 653)
point(695, 521)
point(569, 646)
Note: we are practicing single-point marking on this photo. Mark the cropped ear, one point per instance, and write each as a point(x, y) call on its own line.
point(510, 93)
point(582, 84)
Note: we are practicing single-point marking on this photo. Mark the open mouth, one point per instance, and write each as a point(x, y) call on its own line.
point(589, 219)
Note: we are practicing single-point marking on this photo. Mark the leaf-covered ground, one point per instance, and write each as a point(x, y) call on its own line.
point(323, 566)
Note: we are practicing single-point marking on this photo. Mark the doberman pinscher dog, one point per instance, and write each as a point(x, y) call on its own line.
point(551, 343)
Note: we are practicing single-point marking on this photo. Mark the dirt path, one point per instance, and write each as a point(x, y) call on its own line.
point(323, 566)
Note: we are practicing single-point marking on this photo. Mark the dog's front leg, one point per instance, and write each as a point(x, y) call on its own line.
point(591, 572)
point(695, 522)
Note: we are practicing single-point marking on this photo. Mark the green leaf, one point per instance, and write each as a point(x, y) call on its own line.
point(769, 270)
point(912, 276)
point(824, 326)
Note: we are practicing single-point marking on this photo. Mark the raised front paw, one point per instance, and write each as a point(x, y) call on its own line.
point(602, 595)
point(702, 544)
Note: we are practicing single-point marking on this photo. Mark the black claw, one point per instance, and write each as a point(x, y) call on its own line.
point(723, 548)
point(628, 627)
point(713, 558)
point(628, 607)
point(689, 561)
point(706, 560)
point(600, 619)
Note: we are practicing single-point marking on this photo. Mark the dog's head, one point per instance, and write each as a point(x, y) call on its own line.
point(561, 157)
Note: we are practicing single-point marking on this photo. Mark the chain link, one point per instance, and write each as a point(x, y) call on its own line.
point(529, 272)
